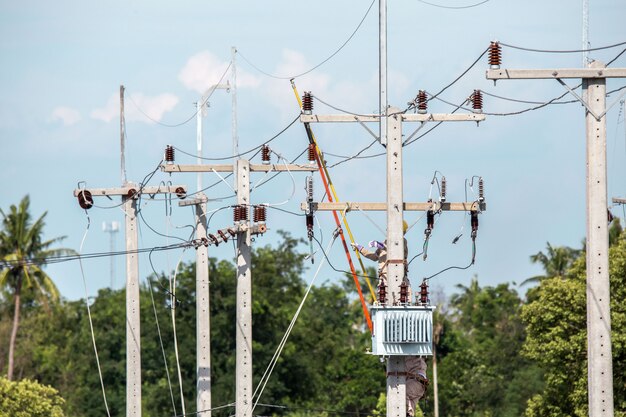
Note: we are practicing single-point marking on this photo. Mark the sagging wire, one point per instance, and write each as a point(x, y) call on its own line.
point(278, 173)
point(156, 319)
point(137, 193)
point(256, 148)
point(258, 392)
point(195, 413)
point(293, 181)
point(571, 51)
point(93, 337)
point(321, 63)
point(457, 267)
point(318, 410)
point(469, 6)
point(194, 114)
point(413, 104)
point(173, 313)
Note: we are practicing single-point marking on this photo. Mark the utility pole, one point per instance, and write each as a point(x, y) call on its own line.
point(395, 207)
point(382, 71)
point(201, 111)
point(243, 229)
point(112, 229)
point(233, 52)
point(600, 366)
point(130, 193)
point(203, 319)
point(243, 331)
point(122, 136)
point(585, 33)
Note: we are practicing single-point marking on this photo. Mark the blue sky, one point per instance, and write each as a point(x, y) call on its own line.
point(63, 63)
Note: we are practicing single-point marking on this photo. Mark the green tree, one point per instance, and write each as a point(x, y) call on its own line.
point(555, 262)
point(27, 398)
point(21, 243)
point(480, 371)
point(557, 337)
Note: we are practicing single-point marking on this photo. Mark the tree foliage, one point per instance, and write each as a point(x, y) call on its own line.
point(21, 240)
point(557, 338)
point(28, 398)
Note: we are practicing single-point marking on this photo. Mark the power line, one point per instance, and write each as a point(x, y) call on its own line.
point(66, 258)
point(567, 51)
point(190, 117)
point(454, 7)
point(246, 152)
point(318, 65)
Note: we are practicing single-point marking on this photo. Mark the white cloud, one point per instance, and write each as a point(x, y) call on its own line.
point(139, 107)
point(65, 115)
point(203, 70)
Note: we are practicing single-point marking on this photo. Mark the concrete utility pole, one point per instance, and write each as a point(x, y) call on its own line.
point(395, 207)
point(233, 53)
point(112, 229)
point(130, 194)
point(382, 72)
point(243, 331)
point(203, 319)
point(600, 366)
point(243, 377)
point(201, 112)
point(122, 136)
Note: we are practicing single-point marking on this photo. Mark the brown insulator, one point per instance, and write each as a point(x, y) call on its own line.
point(236, 214)
point(477, 101)
point(169, 154)
point(307, 103)
point(481, 190)
point(204, 241)
point(422, 103)
point(180, 192)
point(222, 235)
point(132, 194)
point(243, 213)
point(312, 152)
point(265, 154)
point(214, 239)
point(444, 184)
point(259, 214)
point(404, 293)
point(495, 55)
point(231, 232)
point(424, 293)
point(85, 200)
point(382, 294)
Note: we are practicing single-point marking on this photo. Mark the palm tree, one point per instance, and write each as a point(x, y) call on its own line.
point(21, 250)
point(555, 262)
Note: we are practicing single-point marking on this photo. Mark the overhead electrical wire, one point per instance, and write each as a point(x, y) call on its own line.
point(309, 410)
point(454, 7)
point(194, 114)
point(460, 76)
point(156, 319)
point(258, 392)
point(66, 258)
point(246, 152)
point(92, 333)
point(318, 65)
point(556, 51)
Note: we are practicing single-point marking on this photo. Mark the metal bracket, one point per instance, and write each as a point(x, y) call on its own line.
point(367, 128)
point(584, 103)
